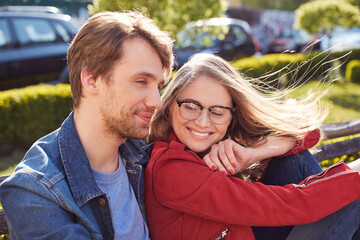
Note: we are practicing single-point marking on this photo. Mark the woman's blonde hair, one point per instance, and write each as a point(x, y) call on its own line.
point(260, 110)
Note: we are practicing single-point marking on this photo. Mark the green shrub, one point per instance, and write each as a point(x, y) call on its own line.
point(29, 113)
point(4, 237)
point(346, 57)
point(353, 71)
point(294, 67)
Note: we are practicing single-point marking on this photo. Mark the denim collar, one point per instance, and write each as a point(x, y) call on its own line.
point(76, 164)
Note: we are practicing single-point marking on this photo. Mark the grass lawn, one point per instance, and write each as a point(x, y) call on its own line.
point(8, 163)
point(344, 97)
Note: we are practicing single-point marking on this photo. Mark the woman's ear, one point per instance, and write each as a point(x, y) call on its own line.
point(88, 81)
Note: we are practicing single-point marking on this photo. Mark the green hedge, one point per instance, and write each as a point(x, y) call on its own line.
point(353, 71)
point(294, 67)
point(349, 56)
point(30, 113)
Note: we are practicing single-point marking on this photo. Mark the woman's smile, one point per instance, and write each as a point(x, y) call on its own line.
point(200, 133)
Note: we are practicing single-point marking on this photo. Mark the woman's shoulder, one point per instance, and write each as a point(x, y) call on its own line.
point(173, 149)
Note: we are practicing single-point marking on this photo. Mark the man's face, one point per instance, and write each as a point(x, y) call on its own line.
point(128, 101)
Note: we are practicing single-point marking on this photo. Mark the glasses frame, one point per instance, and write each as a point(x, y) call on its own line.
point(180, 102)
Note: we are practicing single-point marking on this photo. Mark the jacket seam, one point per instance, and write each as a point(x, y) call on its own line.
point(54, 192)
point(152, 176)
point(322, 179)
point(320, 175)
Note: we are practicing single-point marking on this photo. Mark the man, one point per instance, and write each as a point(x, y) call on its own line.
point(76, 182)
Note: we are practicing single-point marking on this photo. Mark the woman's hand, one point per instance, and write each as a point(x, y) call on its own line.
point(229, 157)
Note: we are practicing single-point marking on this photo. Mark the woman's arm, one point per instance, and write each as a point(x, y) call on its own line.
point(230, 157)
point(355, 165)
point(181, 181)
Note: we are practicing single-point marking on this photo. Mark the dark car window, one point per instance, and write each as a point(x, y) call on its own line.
point(5, 38)
point(64, 34)
point(239, 34)
point(34, 31)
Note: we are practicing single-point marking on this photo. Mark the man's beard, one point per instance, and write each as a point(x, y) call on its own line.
point(124, 125)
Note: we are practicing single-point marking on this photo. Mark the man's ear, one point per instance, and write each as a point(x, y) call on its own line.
point(88, 81)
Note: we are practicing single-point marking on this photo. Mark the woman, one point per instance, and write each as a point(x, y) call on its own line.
point(205, 103)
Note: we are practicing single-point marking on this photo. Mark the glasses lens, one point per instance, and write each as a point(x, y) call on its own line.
point(189, 111)
point(219, 115)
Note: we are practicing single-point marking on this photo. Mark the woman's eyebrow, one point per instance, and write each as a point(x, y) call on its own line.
point(191, 100)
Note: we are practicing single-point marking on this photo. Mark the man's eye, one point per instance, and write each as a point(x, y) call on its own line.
point(142, 82)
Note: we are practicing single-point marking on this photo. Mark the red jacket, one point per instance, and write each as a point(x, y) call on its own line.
point(187, 200)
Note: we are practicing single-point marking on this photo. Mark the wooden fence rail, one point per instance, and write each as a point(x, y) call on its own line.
point(338, 149)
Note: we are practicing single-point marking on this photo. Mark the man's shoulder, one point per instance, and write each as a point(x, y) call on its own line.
point(42, 161)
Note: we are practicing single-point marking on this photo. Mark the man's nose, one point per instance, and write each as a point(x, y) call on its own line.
point(153, 99)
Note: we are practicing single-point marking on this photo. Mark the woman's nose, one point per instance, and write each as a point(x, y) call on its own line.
point(203, 120)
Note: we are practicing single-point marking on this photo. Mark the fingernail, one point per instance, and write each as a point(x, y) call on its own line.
point(234, 165)
point(213, 167)
point(231, 172)
point(223, 172)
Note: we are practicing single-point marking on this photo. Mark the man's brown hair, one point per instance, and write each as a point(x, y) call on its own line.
point(98, 45)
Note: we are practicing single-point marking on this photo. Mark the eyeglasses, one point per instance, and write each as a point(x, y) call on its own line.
point(190, 110)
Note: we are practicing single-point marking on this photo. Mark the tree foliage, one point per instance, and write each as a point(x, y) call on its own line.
point(169, 15)
point(354, 2)
point(274, 4)
point(325, 15)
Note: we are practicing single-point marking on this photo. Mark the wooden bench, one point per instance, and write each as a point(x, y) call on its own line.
point(338, 149)
point(322, 152)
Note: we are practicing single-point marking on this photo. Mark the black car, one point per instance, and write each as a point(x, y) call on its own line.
point(33, 46)
point(226, 37)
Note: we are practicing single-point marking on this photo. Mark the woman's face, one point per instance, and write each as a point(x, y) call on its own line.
point(201, 133)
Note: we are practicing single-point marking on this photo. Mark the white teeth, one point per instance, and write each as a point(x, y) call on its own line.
point(200, 134)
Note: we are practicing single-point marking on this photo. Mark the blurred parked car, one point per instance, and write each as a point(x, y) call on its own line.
point(290, 39)
point(226, 37)
point(343, 39)
point(33, 45)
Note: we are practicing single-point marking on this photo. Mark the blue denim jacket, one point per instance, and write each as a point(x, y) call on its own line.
point(52, 193)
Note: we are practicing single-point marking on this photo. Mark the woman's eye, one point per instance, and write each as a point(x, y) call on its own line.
point(217, 112)
point(190, 106)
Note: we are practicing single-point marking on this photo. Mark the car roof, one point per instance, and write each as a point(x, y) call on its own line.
point(33, 12)
point(219, 22)
point(20, 8)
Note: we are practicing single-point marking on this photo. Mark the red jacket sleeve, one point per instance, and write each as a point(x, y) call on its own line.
point(306, 142)
point(182, 181)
